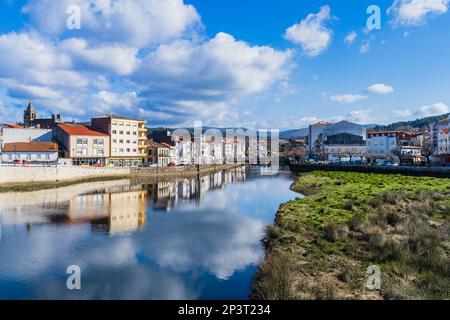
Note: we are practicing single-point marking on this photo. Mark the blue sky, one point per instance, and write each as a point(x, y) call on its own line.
point(273, 64)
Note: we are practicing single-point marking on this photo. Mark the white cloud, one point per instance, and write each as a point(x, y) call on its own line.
point(404, 113)
point(350, 37)
point(133, 57)
point(187, 77)
point(311, 33)
point(111, 58)
point(380, 88)
point(361, 116)
point(132, 22)
point(347, 98)
point(365, 47)
point(433, 110)
point(415, 12)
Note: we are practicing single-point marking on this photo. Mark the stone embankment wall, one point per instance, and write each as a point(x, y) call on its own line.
point(13, 175)
point(54, 174)
point(178, 172)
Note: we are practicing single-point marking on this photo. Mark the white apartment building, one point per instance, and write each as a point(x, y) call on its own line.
point(128, 139)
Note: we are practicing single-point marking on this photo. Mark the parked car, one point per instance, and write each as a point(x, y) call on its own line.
point(172, 164)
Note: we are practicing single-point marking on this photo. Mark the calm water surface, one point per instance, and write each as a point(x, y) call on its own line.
point(186, 239)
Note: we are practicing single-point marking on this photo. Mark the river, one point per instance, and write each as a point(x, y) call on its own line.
point(185, 239)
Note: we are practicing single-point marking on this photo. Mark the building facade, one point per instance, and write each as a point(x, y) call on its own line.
point(128, 143)
point(159, 154)
point(315, 132)
point(344, 127)
point(383, 145)
point(439, 136)
point(43, 153)
point(83, 145)
point(349, 153)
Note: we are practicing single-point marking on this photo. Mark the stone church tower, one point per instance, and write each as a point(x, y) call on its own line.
point(29, 116)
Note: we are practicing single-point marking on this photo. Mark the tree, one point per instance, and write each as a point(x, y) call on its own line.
point(361, 154)
point(298, 153)
point(318, 147)
point(427, 150)
point(340, 154)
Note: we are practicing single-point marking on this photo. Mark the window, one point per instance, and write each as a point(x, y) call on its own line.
point(114, 140)
point(114, 149)
point(128, 133)
point(134, 125)
point(120, 132)
point(120, 123)
point(128, 141)
point(128, 149)
point(38, 156)
point(114, 123)
point(134, 133)
point(121, 150)
point(134, 150)
point(101, 152)
point(47, 156)
point(114, 131)
point(128, 124)
point(120, 141)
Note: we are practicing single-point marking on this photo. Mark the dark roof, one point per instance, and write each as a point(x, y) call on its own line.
point(30, 147)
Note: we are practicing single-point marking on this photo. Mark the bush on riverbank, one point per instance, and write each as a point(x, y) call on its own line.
point(350, 221)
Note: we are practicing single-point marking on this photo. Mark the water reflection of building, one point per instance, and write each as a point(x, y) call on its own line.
point(166, 195)
point(114, 212)
point(127, 212)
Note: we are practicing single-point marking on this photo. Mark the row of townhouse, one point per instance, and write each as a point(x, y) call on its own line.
point(185, 151)
point(109, 140)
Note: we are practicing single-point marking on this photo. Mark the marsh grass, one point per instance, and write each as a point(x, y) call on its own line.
point(349, 221)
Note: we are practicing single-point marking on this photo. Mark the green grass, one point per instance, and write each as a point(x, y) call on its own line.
point(35, 186)
point(348, 221)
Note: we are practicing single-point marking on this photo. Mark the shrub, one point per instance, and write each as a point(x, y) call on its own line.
point(273, 279)
point(330, 232)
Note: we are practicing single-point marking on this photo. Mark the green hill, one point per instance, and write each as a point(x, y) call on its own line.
point(415, 124)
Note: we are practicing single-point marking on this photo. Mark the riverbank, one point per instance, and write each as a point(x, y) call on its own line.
point(321, 246)
point(23, 179)
point(438, 172)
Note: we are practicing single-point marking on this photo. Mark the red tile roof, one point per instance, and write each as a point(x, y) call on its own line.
point(30, 147)
point(79, 130)
point(14, 126)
